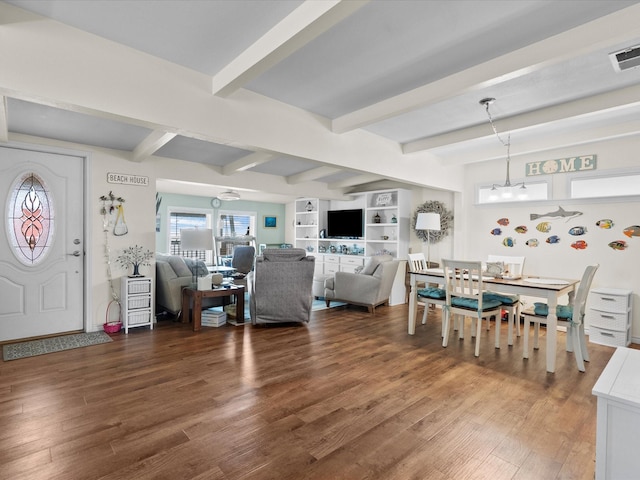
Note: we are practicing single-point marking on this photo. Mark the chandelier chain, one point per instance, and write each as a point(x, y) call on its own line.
point(495, 130)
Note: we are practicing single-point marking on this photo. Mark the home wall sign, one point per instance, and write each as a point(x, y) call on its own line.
point(126, 179)
point(562, 165)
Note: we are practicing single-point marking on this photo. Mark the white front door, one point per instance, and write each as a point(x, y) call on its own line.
point(41, 243)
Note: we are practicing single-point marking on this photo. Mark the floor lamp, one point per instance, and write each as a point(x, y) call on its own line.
point(428, 222)
point(197, 240)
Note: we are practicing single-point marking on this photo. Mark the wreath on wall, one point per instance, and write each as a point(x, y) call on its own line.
point(446, 221)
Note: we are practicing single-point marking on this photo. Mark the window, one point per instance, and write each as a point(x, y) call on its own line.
point(618, 185)
point(533, 191)
point(234, 228)
point(191, 218)
point(30, 219)
point(235, 224)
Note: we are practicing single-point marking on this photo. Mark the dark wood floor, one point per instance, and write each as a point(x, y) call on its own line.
point(349, 396)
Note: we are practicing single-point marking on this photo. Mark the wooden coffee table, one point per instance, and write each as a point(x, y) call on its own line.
point(236, 291)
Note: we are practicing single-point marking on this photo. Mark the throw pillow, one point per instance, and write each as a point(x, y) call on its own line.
point(179, 266)
point(198, 267)
point(373, 262)
point(563, 311)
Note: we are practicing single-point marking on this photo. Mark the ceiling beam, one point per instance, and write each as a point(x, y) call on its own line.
point(311, 175)
point(4, 120)
point(617, 27)
point(353, 181)
point(305, 23)
point(247, 162)
point(154, 142)
point(584, 106)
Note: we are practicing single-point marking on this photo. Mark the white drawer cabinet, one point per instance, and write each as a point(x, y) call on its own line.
point(136, 299)
point(350, 263)
point(341, 263)
point(609, 316)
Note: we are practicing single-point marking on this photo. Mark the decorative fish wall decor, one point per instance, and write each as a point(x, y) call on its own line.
point(521, 229)
point(508, 242)
point(632, 231)
point(561, 212)
point(605, 223)
point(579, 245)
point(532, 242)
point(618, 244)
point(503, 221)
point(575, 231)
point(553, 239)
point(496, 231)
point(543, 227)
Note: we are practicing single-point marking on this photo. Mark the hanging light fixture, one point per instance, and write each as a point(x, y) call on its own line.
point(507, 190)
point(229, 196)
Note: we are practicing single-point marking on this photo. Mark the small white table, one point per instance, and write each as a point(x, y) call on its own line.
point(618, 422)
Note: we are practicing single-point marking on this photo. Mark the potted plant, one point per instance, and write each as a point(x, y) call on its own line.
point(135, 256)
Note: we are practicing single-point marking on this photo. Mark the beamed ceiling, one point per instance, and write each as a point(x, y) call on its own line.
point(297, 95)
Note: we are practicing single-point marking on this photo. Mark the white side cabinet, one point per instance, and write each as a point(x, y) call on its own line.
point(609, 316)
point(618, 420)
point(136, 299)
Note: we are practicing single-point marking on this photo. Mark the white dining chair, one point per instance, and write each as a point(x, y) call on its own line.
point(570, 316)
point(425, 295)
point(465, 296)
point(510, 303)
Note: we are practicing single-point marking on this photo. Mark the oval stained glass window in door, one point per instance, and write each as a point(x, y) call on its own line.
point(30, 219)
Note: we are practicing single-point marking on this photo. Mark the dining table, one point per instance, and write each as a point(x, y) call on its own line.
point(549, 289)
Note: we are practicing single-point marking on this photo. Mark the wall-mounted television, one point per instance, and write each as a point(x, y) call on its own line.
point(345, 223)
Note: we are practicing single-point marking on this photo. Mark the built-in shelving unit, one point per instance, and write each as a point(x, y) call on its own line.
point(387, 222)
point(386, 229)
point(310, 214)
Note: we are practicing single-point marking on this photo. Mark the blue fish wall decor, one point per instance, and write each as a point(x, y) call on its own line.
point(508, 242)
point(575, 231)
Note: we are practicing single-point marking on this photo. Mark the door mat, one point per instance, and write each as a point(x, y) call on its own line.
point(14, 351)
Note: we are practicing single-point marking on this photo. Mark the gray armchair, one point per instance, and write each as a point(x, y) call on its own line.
point(370, 287)
point(242, 261)
point(280, 286)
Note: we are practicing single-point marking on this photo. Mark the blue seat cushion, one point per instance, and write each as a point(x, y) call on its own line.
point(503, 298)
point(471, 304)
point(563, 311)
point(432, 292)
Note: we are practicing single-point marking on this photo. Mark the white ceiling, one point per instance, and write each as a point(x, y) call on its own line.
point(410, 71)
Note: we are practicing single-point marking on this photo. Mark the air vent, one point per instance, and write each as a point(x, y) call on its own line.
point(626, 59)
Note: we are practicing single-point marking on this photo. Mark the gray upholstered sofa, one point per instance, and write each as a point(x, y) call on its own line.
point(173, 273)
point(370, 287)
point(280, 286)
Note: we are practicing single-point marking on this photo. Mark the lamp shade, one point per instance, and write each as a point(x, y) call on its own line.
point(428, 221)
point(196, 239)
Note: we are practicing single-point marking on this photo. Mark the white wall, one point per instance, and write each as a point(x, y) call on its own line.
point(618, 269)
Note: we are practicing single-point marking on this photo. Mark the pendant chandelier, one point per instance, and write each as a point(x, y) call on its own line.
point(507, 190)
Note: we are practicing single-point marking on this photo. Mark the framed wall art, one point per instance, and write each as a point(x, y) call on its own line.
point(270, 221)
